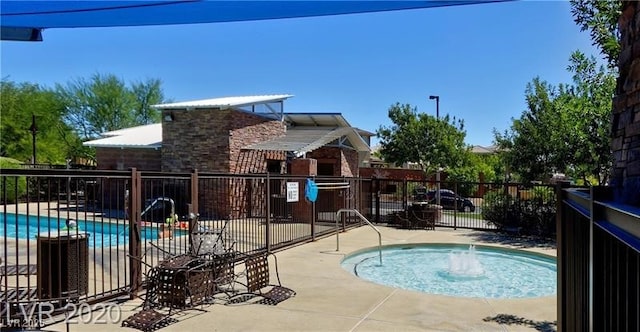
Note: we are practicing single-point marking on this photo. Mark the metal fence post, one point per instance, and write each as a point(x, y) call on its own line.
point(455, 207)
point(405, 196)
point(193, 207)
point(267, 233)
point(135, 245)
point(376, 192)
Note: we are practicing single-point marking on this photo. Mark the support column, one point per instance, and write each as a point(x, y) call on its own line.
point(302, 210)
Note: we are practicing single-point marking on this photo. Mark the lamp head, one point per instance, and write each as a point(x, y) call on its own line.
point(434, 97)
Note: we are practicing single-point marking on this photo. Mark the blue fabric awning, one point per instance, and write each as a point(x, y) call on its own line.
point(24, 20)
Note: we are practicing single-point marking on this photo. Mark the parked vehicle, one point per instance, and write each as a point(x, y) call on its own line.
point(448, 199)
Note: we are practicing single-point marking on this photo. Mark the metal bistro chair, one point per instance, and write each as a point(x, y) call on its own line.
point(258, 284)
point(423, 218)
point(10, 296)
point(177, 283)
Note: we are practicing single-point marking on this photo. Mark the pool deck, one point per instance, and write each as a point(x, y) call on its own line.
point(332, 299)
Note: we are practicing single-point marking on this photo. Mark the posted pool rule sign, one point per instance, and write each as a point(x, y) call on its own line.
point(292, 192)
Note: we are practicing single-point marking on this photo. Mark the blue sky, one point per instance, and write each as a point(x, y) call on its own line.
point(477, 58)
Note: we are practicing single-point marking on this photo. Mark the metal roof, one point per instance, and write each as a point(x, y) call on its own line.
point(305, 139)
point(224, 102)
point(316, 119)
point(483, 150)
point(147, 136)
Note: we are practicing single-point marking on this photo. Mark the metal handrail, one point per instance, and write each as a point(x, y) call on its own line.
point(365, 220)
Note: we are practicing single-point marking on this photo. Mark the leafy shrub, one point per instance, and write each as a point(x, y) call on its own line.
point(497, 208)
point(13, 187)
point(534, 215)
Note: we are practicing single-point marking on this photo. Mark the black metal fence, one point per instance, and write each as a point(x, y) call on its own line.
point(598, 247)
point(526, 208)
point(87, 236)
point(125, 221)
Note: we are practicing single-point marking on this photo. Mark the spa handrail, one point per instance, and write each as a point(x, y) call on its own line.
point(365, 220)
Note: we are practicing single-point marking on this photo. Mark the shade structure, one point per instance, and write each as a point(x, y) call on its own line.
point(24, 20)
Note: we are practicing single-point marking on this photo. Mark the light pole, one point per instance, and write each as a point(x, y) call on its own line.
point(33, 129)
point(437, 98)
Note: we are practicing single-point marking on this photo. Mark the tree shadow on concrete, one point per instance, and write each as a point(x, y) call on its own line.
point(519, 241)
point(506, 319)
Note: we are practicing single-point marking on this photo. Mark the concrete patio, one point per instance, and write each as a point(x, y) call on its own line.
point(329, 298)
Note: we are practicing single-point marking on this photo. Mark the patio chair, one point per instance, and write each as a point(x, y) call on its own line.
point(12, 298)
point(179, 282)
point(149, 318)
point(16, 270)
point(423, 219)
point(258, 284)
point(402, 220)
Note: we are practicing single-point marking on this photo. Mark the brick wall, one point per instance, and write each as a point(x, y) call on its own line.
point(626, 110)
point(211, 141)
point(392, 173)
point(124, 159)
point(349, 163)
point(196, 139)
point(345, 162)
point(246, 129)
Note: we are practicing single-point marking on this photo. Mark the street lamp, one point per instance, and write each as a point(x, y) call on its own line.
point(437, 98)
point(33, 129)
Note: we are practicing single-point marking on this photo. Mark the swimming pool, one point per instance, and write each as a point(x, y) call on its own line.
point(101, 234)
point(457, 270)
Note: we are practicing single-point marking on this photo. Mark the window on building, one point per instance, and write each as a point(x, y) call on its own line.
point(325, 169)
point(274, 166)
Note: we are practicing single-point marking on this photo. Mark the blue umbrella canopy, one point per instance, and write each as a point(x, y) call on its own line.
point(25, 20)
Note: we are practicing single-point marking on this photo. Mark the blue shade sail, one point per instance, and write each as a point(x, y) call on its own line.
point(23, 20)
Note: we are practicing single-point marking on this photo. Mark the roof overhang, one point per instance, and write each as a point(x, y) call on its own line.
point(224, 102)
point(316, 119)
point(300, 140)
point(140, 137)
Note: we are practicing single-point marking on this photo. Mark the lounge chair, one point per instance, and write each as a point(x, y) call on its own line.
point(258, 284)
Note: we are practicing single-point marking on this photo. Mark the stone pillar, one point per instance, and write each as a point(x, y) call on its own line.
point(302, 210)
point(625, 143)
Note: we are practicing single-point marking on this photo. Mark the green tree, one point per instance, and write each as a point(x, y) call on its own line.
point(592, 93)
point(146, 94)
point(600, 17)
point(422, 139)
point(529, 151)
point(566, 128)
point(55, 140)
point(105, 103)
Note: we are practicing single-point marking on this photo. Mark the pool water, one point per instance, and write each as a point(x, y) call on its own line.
point(101, 234)
point(432, 268)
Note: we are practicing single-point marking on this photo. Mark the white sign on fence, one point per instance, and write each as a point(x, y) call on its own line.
point(292, 192)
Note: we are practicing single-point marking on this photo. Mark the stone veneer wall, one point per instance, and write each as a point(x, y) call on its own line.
point(626, 109)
